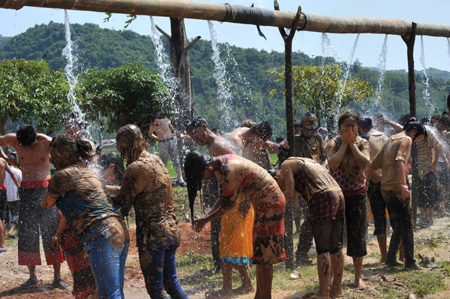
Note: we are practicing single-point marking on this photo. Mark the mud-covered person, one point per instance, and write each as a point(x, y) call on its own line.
point(239, 176)
point(377, 204)
point(348, 157)
point(82, 198)
point(147, 187)
point(235, 240)
point(308, 144)
point(65, 239)
point(325, 200)
point(162, 131)
point(4, 168)
point(33, 152)
point(393, 159)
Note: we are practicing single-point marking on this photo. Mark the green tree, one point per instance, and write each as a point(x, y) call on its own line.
point(31, 91)
point(322, 90)
point(122, 95)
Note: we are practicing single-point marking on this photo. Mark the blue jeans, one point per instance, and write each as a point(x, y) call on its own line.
point(158, 266)
point(107, 256)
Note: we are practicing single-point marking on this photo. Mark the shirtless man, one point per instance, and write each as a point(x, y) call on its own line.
point(3, 200)
point(33, 150)
point(235, 223)
point(248, 141)
point(162, 130)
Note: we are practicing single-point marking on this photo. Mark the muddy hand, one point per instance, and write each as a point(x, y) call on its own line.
point(198, 225)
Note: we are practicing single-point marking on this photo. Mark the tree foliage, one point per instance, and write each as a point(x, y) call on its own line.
point(248, 77)
point(122, 95)
point(30, 90)
point(322, 90)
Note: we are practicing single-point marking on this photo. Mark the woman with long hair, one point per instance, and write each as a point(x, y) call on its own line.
point(84, 202)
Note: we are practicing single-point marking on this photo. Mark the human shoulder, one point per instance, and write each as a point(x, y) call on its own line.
point(42, 138)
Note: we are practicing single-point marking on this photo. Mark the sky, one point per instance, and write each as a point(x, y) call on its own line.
point(433, 52)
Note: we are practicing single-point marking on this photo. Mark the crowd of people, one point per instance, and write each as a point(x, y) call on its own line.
point(78, 209)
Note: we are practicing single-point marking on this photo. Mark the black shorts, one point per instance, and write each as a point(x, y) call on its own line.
point(378, 206)
point(3, 205)
point(427, 194)
point(328, 235)
point(355, 217)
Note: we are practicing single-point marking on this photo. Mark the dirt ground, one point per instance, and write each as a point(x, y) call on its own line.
point(12, 275)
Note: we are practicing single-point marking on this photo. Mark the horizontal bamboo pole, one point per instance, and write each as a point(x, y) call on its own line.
point(237, 14)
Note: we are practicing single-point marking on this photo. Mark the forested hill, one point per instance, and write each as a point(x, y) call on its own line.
point(105, 48)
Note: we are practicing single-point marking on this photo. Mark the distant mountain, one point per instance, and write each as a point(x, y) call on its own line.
point(3, 40)
point(247, 76)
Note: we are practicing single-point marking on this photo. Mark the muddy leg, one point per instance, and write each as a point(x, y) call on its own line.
point(337, 265)
point(323, 269)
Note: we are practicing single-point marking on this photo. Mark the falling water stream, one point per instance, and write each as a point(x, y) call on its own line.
point(448, 49)
point(350, 61)
point(69, 68)
point(377, 107)
point(426, 83)
point(223, 84)
point(161, 57)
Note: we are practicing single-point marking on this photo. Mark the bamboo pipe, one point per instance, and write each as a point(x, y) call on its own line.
point(238, 14)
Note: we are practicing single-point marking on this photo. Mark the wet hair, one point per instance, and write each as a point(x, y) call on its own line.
point(112, 158)
point(150, 118)
point(306, 116)
point(26, 135)
point(77, 117)
point(195, 122)
point(346, 115)
point(444, 120)
point(366, 123)
point(194, 167)
point(248, 123)
point(435, 118)
point(69, 150)
point(404, 119)
point(262, 129)
point(134, 142)
point(413, 124)
point(12, 156)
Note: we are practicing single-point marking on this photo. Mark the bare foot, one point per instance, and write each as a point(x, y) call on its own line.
point(334, 293)
point(243, 290)
point(360, 284)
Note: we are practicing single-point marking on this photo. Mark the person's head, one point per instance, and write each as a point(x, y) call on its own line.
point(348, 119)
point(12, 156)
point(197, 128)
point(248, 123)
point(379, 122)
point(443, 123)
point(365, 125)
point(194, 167)
point(263, 130)
point(415, 130)
point(111, 167)
point(66, 150)
point(404, 119)
point(130, 143)
point(75, 124)
point(26, 135)
point(151, 118)
point(309, 124)
point(435, 119)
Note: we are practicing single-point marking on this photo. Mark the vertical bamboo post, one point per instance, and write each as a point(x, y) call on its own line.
point(410, 39)
point(287, 38)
